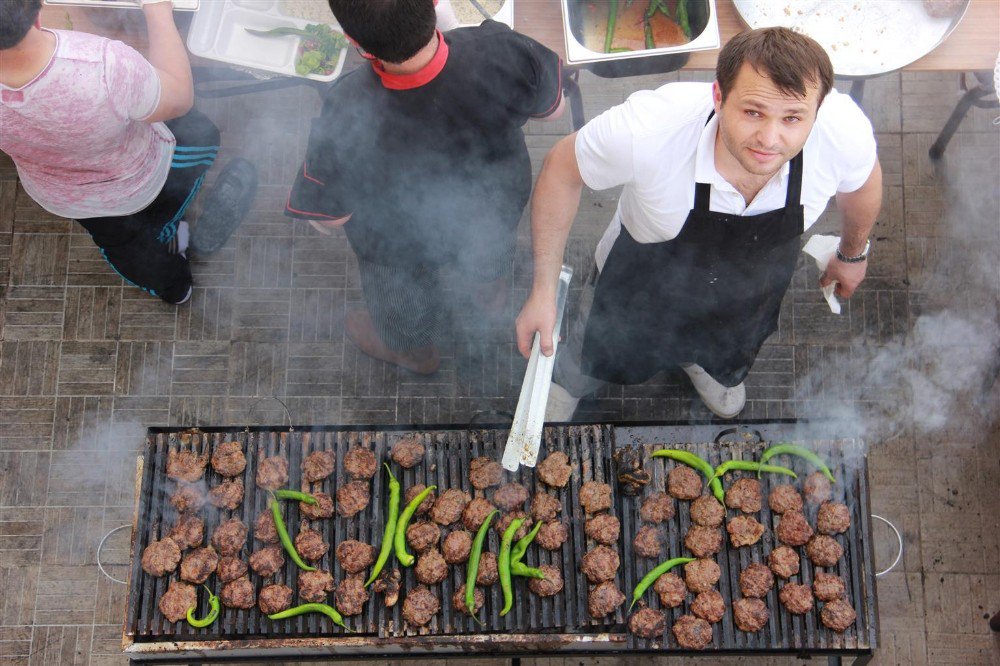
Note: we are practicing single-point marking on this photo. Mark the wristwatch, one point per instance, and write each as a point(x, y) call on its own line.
point(856, 259)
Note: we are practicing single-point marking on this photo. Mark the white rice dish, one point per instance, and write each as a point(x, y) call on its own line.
point(316, 11)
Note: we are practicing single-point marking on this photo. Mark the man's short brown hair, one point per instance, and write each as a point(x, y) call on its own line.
point(790, 60)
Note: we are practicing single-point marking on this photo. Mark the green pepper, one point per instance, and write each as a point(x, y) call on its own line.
point(472, 570)
point(750, 466)
point(523, 570)
point(682, 17)
point(801, 452)
point(213, 612)
point(651, 577)
point(697, 462)
point(609, 33)
point(285, 494)
point(286, 541)
point(521, 547)
point(503, 564)
point(399, 538)
point(390, 527)
point(325, 609)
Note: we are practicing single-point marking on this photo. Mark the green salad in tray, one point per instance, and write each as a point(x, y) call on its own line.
point(319, 50)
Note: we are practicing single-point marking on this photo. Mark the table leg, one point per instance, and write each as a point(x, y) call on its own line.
point(979, 95)
point(858, 90)
point(571, 88)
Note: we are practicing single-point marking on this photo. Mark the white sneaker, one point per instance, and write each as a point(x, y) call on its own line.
point(724, 401)
point(561, 404)
point(183, 237)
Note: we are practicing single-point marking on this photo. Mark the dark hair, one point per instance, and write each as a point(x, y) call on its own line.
point(16, 20)
point(789, 59)
point(390, 30)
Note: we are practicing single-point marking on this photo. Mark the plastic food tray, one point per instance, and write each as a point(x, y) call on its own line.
point(181, 5)
point(218, 32)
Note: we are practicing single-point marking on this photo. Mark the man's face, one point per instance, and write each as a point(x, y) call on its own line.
point(760, 126)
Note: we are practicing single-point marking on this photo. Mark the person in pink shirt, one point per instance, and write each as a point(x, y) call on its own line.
point(102, 135)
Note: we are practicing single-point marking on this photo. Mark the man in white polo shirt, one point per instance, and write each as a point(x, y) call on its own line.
point(720, 181)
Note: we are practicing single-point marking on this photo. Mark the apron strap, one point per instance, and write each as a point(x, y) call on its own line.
point(794, 194)
point(703, 191)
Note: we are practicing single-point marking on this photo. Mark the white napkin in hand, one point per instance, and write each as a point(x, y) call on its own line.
point(822, 249)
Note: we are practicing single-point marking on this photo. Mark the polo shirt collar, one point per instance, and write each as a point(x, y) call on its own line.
point(704, 160)
point(421, 77)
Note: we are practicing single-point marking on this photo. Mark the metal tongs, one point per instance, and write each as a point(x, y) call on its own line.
point(529, 418)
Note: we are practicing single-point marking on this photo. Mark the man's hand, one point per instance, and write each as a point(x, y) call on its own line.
point(537, 315)
point(849, 276)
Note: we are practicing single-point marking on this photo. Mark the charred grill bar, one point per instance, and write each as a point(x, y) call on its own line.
point(536, 625)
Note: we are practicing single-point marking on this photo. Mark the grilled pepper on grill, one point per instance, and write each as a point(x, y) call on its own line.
point(651, 577)
point(472, 569)
point(286, 541)
point(801, 452)
point(390, 527)
point(325, 609)
point(503, 564)
point(286, 494)
point(399, 538)
point(750, 466)
point(213, 612)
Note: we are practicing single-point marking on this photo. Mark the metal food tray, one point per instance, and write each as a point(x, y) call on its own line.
point(218, 33)
point(179, 5)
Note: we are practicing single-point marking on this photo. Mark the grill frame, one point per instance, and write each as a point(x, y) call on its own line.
point(599, 638)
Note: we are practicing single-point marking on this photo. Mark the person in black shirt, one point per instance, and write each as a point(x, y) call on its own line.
point(421, 159)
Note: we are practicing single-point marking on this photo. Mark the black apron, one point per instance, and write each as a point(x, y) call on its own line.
point(710, 296)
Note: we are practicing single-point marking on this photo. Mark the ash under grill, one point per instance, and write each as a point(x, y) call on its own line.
point(536, 625)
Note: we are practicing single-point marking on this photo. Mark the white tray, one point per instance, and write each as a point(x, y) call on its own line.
point(180, 5)
point(218, 32)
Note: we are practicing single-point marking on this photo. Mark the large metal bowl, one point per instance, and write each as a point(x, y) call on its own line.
point(863, 37)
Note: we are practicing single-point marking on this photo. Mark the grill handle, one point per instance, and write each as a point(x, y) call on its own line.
point(738, 430)
point(899, 538)
point(253, 406)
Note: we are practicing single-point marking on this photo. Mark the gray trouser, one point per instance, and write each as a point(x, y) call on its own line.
point(567, 372)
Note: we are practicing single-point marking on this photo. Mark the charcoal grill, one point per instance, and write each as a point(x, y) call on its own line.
point(536, 626)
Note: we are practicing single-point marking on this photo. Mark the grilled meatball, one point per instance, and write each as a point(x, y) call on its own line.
point(264, 528)
point(647, 623)
point(784, 562)
point(352, 498)
point(318, 465)
point(506, 519)
point(188, 531)
point(744, 495)
point(423, 535)
point(603, 528)
point(449, 506)
point(274, 599)
point(456, 546)
point(828, 587)
point(360, 463)
point(431, 568)
point(387, 584)
point(230, 568)
point(323, 508)
point(793, 530)
point(657, 508)
point(670, 589)
point(458, 600)
point(599, 564)
point(310, 544)
point(545, 507)
point(684, 483)
point(185, 465)
point(833, 518)
point(408, 452)
point(199, 564)
point(707, 512)
point(552, 535)
point(701, 575)
point(161, 557)
point(267, 561)
point(176, 601)
point(744, 531)
point(784, 498)
point(351, 596)
point(228, 459)
point(188, 498)
point(510, 496)
point(756, 580)
point(475, 512)
point(817, 488)
point(824, 551)
point(703, 541)
point(485, 472)
point(555, 470)
point(488, 573)
point(315, 585)
point(238, 593)
point(692, 633)
point(751, 614)
point(354, 556)
point(708, 605)
point(420, 606)
point(647, 541)
point(550, 585)
point(272, 473)
point(604, 599)
point(595, 496)
point(838, 615)
point(424, 506)
point(798, 599)
point(227, 495)
point(230, 536)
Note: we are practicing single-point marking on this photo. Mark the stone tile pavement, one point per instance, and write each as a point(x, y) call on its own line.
point(86, 363)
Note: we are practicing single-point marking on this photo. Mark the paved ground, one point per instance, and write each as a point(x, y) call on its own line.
point(86, 362)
